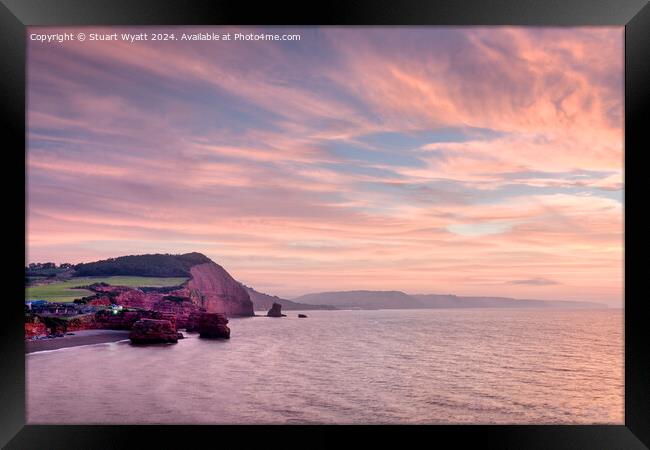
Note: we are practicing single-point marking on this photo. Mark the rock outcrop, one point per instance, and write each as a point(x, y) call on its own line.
point(80, 322)
point(153, 331)
point(276, 311)
point(179, 306)
point(99, 301)
point(302, 316)
point(213, 325)
point(34, 327)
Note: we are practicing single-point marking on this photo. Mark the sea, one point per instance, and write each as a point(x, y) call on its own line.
point(433, 366)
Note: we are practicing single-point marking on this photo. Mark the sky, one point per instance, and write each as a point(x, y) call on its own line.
point(467, 160)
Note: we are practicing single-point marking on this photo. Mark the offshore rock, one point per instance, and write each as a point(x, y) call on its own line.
point(213, 325)
point(153, 331)
point(276, 311)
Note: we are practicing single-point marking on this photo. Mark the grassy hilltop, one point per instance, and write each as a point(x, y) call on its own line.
point(64, 291)
point(157, 265)
point(65, 283)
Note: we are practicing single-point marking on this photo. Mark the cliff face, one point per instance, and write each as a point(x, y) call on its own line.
point(212, 288)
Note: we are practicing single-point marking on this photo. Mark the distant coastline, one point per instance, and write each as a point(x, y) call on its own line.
point(365, 299)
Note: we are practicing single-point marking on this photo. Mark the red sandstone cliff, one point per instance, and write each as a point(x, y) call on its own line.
point(214, 289)
point(34, 327)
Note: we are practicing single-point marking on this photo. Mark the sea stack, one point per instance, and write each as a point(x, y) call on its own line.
point(153, 331)
point(275, 311)
point(213, 325)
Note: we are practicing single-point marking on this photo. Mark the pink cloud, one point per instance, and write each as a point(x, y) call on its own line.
point(185, 146)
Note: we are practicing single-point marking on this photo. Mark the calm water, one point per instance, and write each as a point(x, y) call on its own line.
point(407, 366)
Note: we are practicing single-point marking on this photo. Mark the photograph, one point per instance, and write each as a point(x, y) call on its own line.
point(324, 225)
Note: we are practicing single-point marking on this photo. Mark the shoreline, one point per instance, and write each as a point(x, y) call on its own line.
point(83, 337)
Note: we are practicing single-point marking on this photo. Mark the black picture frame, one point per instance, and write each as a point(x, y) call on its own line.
point(15, 15)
